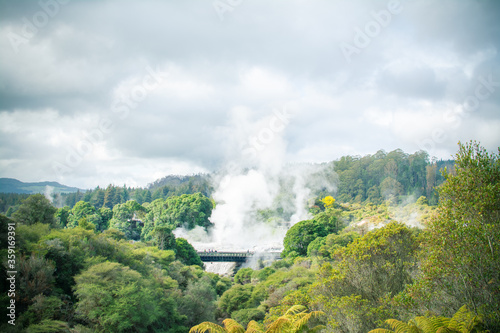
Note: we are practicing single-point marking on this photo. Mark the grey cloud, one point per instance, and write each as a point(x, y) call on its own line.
point(431, 54)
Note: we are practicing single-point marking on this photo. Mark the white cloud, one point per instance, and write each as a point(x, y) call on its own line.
point(224, 79)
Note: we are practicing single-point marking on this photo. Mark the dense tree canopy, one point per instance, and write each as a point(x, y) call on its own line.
point(463, 241)
point(299, 236)
point(109, 261)
point(35, 209)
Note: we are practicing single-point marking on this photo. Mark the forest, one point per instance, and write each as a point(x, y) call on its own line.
point(366, 179)
point(403, 244)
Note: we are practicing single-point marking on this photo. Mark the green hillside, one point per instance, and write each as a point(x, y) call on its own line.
point(10, 185)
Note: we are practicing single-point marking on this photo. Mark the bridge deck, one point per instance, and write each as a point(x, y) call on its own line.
point(235, 256)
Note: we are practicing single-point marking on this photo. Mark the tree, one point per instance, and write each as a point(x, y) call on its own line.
point(62, 216)
point(125, 220)
point(186, 253)
point(376, 266)
point(198, 301)
point(98, 198)
point(235, 298)
point(299, 236)
point(115, 298)
point(328, 201)
point(35, 277)
point(36, 209)
point(462, 262)
point(106, 215)
point(110, 197)
point(188, 211)
point(81, 210)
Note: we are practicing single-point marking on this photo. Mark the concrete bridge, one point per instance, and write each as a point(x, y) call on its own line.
point(236, 256)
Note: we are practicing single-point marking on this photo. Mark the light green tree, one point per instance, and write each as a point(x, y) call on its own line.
point(461, 264)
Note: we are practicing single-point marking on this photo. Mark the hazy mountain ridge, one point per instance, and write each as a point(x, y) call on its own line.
point(11, 185)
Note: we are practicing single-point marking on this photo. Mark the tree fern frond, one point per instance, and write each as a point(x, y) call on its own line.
point(232, 326)
point(381, 330)
point(207, 327)
point(398, 326)
point(447, 330)
point(432, 324)
point(438, 322)
point(254, 327)
point(464, 320)
point(280, 325)
point(425, 324)
point(296, 309)
point(303, 320)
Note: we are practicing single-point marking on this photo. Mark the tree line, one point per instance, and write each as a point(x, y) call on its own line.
point(368, 179)
point(389, 277)
point(352, 267)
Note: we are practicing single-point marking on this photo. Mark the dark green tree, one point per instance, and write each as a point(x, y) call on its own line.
point(299, 236)
point(186, 253)
point(36, 209)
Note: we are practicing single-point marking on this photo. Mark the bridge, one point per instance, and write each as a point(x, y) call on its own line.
point(213, 256)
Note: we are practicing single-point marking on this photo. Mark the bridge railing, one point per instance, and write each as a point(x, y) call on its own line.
point(234, 256)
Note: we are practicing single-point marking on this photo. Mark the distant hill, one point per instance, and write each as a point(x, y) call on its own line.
point(177, 180)
point(10, 185)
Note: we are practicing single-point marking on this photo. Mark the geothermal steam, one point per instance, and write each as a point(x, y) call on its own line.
point(258, 197)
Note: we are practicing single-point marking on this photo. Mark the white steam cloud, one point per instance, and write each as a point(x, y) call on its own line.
point(258, 196)
point(48, 193)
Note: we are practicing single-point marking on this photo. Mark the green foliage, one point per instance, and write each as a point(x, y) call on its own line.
point(334, 242)
point(464, 321)
point(43, 308)
point(83, 210)
point(296, 319)
point(382, 176)
point(186, 253)
point(235, 298)
point(245, 316)
point(36, 209)
point(49, 326)
point(198, 302)
point(62, 216)
point(124, 219)
point(422, 201)
point(371, 268)
point(188, 211)
point(222, 285)
point(461, 264)
point(262, 274)
point(115, 298)
point(243, 276)
point(28, 236)
point(299, 236)
point(35, 277)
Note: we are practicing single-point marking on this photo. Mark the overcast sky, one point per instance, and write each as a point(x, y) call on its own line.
point(99, 92)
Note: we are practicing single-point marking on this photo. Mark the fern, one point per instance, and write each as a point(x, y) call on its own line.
point(207, 327)
point(232, 326)
point(254, 327)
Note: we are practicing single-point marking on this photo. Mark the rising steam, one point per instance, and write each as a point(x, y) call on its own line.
point(258, 196)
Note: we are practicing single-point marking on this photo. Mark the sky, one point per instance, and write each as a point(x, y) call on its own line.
point(126, 92)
